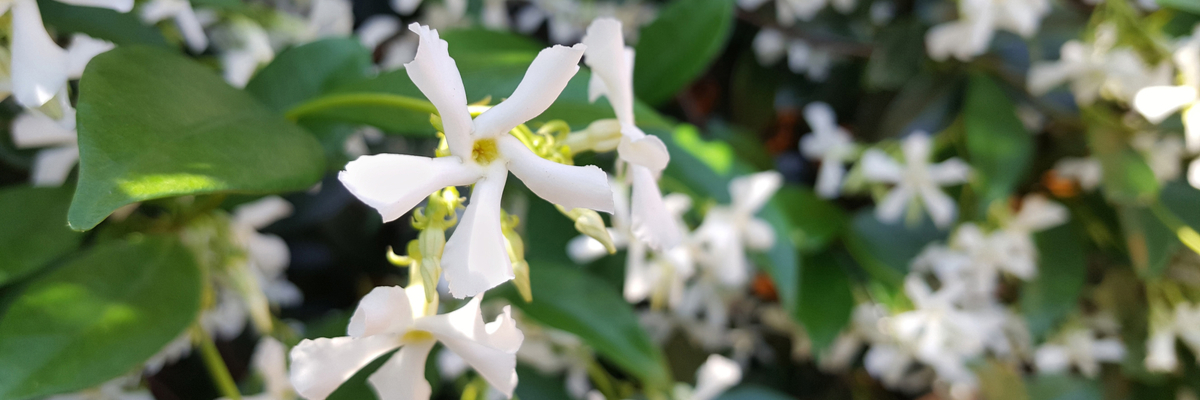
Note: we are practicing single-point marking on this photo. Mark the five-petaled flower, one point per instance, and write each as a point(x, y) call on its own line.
point(917, 177)
point(481, 153)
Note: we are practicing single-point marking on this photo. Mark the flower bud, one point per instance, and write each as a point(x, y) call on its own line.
point(588, 222)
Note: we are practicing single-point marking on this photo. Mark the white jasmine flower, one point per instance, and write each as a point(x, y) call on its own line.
point(828, 143)
point(40, 69)
point(554, 352)
point(270, 360)
point(660, 275)
point(267, 255)
point(1156, 103)
point(808, 60)
point(1078, 347)
point(185, 19)
point(1183, 323)
point(330, 18)
point(1087, 171)
point(392, 317)
point(246, 46)
point(971, 34)
point(481, 153)
point(612, 76)
point(716, 375)
point(1097, 68)
point(917, 177)
point(126, 387)
point(727, 231)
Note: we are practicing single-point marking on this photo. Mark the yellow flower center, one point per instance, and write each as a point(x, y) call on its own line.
point(484, 151)
point(416, 336)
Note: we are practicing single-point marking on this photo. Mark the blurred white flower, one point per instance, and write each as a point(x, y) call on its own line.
point(714, 377)
point(1081, 348)
point(33, 129)
point(244, 47)
point(1097, 68)
point(1156, 103)
point(552, 352)
point(769, 46)
point(612, 77)
point(566, 20)
point(1163, 153)
point(808, 60)
point(1165, 327)
point(270, 360)
point(482, 153)
point(788, 11)
point(185, 19)
point(916, 177)
point(330, 18)
point(377, 29)
point(267, 255)
point(1086, 171)
point(828, 143)
point(392, 317)
point(972, 33)
point(727, 231)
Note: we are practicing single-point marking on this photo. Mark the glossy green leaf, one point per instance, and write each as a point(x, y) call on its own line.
point(34, 231)
point(569, 299)
point(302, 73)
point(885, 250)
point(814, 222)
point(999, 147)
point(100, 23)
point(98, 317)
point(679, 46)
point(826, 300)
point(534, 385)
point(1127, 178)
point(1182, 200)
point(1062, 270)
point(190, 134)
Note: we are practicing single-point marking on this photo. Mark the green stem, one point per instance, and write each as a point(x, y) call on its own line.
point(360, 99)
point(216, 365)
point(601, 379)
point(1185, 233)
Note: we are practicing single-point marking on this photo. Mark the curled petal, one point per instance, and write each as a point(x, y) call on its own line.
point(646, 150)
point(394, 183)
point(543, 82)
point(751, 192)
point(651, 221)
point(475, 257)
point(385, 310)
point(437, 76)
point(491, 349)
point(566, 185)
point(612, 64)
point(1156, 103)
point(879, 167)
point(53, 165)
point(402, 377)
point(319, 366)
point(39, 66)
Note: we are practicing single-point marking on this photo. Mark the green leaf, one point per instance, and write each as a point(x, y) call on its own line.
point(679, 46)
point(826, 299)
point(100, 23)
point(1185, 5)
point(900, 50)
point(753, 393)
point(1181, 199)
point(1127, 178)
point(536, 386)
point(34, 231)
point(1062, 387)
point(153, 124)
point(1000, 148)
point(884, 250)
point(1149, 242)
point(303, 73)
point(98, 317)
point(569, 299)
point(1062, 270)
point(814, 222)
point(1000, 381)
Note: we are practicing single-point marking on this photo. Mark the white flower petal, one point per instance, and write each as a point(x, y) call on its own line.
point(651, 222)
point(569, 186)
point(758, 234)
point(405, 7)
point(191, 29)
point(437, 76)
point(1039, 213)
point(949, 172)
point(1193, 173)
point(395, 183)
point(583, 249)
point(82, 49)
point(892, 206)
point(53, 165)
point(751, 192)
point(33, 129)
point(377, 29)
point(121, 6)
point(1111, 350)
point(639, 280)
point(262, 212)
point(612, 63)
point(270, 359)
point(39, 66)
point(769, 46)
point(877, 166)
point(475, 257)
point(941, 207)
point(829, 177)
point(319, 366)
point(1051, 359)
point(269, 253)
point(1191, 124)
point(331, 18)
point(402, 377)
point(1156, 103)
point(385, 310)
point(491, 349)
point(545, 79)
point(646, 150)
point(820, 116)
point(1160, 351)
point(715, 376)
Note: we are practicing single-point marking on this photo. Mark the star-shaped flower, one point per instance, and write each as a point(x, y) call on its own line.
point(917, 177)
point(978, 21)
point(481, 153)
point(727, 231)
point(828, 143)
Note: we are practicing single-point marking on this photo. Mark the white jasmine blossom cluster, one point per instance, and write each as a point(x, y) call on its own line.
point(978, 21)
